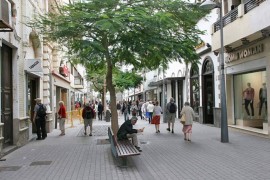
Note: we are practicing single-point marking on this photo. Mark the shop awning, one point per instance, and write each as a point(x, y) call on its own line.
point(167, 80)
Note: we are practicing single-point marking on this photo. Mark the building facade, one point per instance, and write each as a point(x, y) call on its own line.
point(31, 67)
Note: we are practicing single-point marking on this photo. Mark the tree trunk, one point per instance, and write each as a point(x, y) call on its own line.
point(111, 88)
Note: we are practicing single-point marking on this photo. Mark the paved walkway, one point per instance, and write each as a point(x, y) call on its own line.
point(165, 156)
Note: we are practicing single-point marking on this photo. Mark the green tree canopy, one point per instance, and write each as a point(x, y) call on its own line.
point(126, 80)
point(141, 33)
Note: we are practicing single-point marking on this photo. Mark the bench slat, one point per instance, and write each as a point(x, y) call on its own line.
point(123, 148)
point(126, 148)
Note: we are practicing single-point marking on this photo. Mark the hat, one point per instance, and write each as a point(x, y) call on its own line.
point(38, 99)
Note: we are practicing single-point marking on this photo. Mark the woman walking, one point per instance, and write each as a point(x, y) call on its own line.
point(156, 118)
point(189, 117)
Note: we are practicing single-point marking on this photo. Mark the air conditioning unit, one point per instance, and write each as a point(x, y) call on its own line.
point(5, 16)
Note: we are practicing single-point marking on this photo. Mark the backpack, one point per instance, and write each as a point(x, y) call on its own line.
point(89, 113)
point(172, 108)
point(41, 113)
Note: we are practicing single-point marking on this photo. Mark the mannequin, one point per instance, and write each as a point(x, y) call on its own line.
point(248, 94)
point(263, 98)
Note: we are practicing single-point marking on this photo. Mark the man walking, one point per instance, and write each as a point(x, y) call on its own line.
point(88, 115)
point(100, 111)
point(39, 119)
point(170, 114)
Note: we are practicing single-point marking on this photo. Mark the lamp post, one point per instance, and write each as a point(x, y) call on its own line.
point(209, 4)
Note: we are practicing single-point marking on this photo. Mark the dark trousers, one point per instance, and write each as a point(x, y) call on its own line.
point(249, 102)
point(150, 117)
point(261, 104)
point(99, 115)
point(41, 128)
point(140, 113)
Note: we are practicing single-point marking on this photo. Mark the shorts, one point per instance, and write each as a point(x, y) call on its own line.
point(88, 122)
point(171, 117)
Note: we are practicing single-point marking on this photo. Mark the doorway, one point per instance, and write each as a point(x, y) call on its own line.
point(208, 99)
point(32, 94)
point(6, 94)
point(208, 92)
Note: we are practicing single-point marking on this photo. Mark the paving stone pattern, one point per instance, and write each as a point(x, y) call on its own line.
point(165, 156)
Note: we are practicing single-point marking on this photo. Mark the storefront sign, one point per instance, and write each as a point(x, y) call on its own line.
point(244, 53)
point(33, 65)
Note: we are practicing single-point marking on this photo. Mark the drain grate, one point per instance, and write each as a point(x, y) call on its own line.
point(9, 168)
point(98, 130)
point(37, 163)
point(103, 141)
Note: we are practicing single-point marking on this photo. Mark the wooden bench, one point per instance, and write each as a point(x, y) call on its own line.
point(121, 149)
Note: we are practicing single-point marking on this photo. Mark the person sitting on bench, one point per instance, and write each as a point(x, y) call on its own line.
point(126, 131)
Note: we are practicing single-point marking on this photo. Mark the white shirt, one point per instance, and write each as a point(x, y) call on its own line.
point(150, 108)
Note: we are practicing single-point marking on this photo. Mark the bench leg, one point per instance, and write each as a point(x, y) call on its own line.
point(124, 162)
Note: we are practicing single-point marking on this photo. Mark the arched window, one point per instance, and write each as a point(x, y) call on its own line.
point(207, 67)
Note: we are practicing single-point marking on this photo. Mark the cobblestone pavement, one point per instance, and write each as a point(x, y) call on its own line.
point(165, 156)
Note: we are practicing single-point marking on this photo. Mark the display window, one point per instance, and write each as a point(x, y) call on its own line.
point(250, 99)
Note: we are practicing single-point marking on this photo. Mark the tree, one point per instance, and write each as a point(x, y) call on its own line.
point(126, 80)
point(141, 33)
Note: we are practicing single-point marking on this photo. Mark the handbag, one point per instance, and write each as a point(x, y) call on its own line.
point(183, 118)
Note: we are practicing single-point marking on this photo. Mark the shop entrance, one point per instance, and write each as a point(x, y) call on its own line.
point(208, 99)
point(6, 94)
point(31, 96)
point(208, 92)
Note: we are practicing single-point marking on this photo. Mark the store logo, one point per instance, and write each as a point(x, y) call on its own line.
point(244, 53)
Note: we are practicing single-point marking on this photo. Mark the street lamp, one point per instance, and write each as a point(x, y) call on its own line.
point(209, 4)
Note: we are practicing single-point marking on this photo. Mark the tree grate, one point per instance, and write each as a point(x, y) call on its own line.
point(9, 168)
point(37, 163)
point(103, 141)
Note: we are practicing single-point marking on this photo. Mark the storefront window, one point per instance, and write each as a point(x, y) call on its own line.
point(195, 88)
point(250, 99)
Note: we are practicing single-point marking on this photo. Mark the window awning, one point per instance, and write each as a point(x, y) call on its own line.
point(169, 79)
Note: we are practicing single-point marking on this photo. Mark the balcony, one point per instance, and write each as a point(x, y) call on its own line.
point(247, 22)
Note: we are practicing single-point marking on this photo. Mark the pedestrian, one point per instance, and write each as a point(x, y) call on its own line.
point(100, 111)
point(150, 110)
point(118, 107)
point(189, 117)
point(156, 117)
point(134, 109)
point(170, 114)
point(140, 108)
point(62, 115)
point(125, 110)
point(39, 119)
point(145, 110)
point(88, 114)
point(126, 131)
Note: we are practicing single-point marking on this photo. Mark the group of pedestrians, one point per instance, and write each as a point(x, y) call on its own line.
point(126, 130)
point(40, 116)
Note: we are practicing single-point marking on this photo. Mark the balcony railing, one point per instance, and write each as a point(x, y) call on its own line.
point(232, 15)
point(251, 5)
point(227, 19)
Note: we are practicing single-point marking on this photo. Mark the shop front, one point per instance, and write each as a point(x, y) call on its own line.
point(247, 81)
